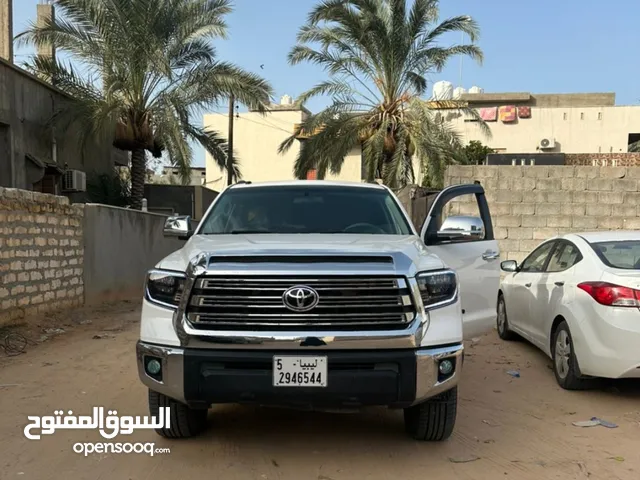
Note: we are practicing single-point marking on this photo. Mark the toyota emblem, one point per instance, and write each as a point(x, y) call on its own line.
point(300, 298)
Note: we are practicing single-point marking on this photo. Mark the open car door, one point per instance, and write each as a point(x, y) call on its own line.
point(458, 229)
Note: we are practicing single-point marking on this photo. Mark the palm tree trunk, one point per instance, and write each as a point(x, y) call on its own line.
point(138, 173)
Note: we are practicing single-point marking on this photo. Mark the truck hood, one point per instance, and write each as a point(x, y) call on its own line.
point(408, 251)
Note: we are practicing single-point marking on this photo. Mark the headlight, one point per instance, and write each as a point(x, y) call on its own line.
point(437, 289)
point(165, 288)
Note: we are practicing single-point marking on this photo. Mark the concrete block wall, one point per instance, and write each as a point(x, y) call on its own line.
point(55, 256)
point(121, 245)
point(41, 253)
point(622, 159)
point(532, 203)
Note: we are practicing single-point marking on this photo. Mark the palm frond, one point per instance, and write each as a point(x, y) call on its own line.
point(217, 147)
point(325, 151)
point(378, 55)
point(143, 70)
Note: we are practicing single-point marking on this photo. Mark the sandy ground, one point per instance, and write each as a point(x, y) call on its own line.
point(513, 427)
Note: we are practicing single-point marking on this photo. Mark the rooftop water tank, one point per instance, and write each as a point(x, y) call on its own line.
point(475, 89)
point(458, 92)
point(286, 100)
point(442, 90)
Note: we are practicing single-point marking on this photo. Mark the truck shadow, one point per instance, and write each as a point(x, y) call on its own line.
point(313, 432)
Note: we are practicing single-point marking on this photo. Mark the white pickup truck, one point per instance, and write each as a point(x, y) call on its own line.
point(319, 295)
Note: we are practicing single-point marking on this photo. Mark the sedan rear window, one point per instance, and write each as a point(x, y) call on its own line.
point(619, 254)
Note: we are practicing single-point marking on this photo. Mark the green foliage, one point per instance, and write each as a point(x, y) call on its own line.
point(109, 189)
point(140, 71)
point(475, 153)
point(378, 55)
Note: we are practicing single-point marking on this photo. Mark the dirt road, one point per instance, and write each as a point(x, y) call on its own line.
point(516, 427)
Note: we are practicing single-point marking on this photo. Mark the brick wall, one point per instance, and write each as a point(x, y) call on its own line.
point(603, 159)
point(41, 253)
point(532, 203)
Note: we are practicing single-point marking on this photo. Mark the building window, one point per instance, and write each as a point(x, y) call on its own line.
point(564, 116)
point(312, 174)
point(599, 115)
point(633, 142)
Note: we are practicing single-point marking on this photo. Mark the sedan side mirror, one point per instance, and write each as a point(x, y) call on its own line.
point(462, 228)
point(179, 226)
point(509, 266)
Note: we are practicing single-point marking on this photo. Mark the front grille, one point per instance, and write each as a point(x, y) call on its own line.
point(256, 303)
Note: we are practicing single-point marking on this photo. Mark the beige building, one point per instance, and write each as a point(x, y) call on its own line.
point(588, 123)
point(556, 123)
point(256, 138)
point(171, 176)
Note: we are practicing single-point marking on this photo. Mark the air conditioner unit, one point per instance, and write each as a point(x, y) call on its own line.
point(547, 143)
point(74, 181)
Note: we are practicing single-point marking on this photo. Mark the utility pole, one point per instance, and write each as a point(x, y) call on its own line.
point(232, 102)
point(6, 30)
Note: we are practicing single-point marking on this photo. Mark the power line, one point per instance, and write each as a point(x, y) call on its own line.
point(258, 123)
point(275, 126)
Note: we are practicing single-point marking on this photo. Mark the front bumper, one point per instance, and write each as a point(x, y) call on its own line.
point(394, 378)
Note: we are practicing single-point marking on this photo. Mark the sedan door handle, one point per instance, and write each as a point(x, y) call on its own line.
point(489, 255)
point(527, 285)
point(559, 284)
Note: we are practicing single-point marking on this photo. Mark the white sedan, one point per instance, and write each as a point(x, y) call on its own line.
point(577, 298)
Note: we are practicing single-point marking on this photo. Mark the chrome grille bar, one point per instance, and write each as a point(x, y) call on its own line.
point(345, 302)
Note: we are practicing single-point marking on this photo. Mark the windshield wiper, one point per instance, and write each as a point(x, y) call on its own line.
point(248, 232)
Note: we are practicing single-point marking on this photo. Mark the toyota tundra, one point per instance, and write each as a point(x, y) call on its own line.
point(318, 295)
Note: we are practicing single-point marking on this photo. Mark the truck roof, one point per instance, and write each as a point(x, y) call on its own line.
point(317, 183)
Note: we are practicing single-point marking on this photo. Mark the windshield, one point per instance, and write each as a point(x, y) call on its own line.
point(623, 254)
point(306, 209)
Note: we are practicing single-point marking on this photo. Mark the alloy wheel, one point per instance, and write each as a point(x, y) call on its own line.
point(502, 317)
point(562, 353)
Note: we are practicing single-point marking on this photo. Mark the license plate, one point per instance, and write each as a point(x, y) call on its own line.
point(289, 371)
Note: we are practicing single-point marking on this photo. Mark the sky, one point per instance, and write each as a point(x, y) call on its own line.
point(542, 46)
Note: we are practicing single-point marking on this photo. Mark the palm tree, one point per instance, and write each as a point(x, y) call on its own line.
point(140, 70)
point(378, 54)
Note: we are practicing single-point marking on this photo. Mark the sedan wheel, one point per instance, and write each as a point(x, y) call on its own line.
point(565, 363)
point(502, 322)
point(562, 353)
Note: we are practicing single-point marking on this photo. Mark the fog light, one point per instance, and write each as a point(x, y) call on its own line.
point(153, 367)
point(445, 367)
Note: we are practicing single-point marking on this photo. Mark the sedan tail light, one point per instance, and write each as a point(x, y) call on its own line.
point(612, 295)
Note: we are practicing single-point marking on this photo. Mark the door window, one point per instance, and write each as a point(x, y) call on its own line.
point(538, 258)
point(564, 257)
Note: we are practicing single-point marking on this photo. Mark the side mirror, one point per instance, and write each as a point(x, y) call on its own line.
point(462, 228)
point(509, 266)
point(178, 227)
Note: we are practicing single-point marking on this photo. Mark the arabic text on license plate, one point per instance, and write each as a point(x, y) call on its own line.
point(305, 371)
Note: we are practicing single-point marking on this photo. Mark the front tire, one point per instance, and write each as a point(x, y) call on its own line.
point(565, 364)
point(433, 420)
point(502, 322)
point(185, 421)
